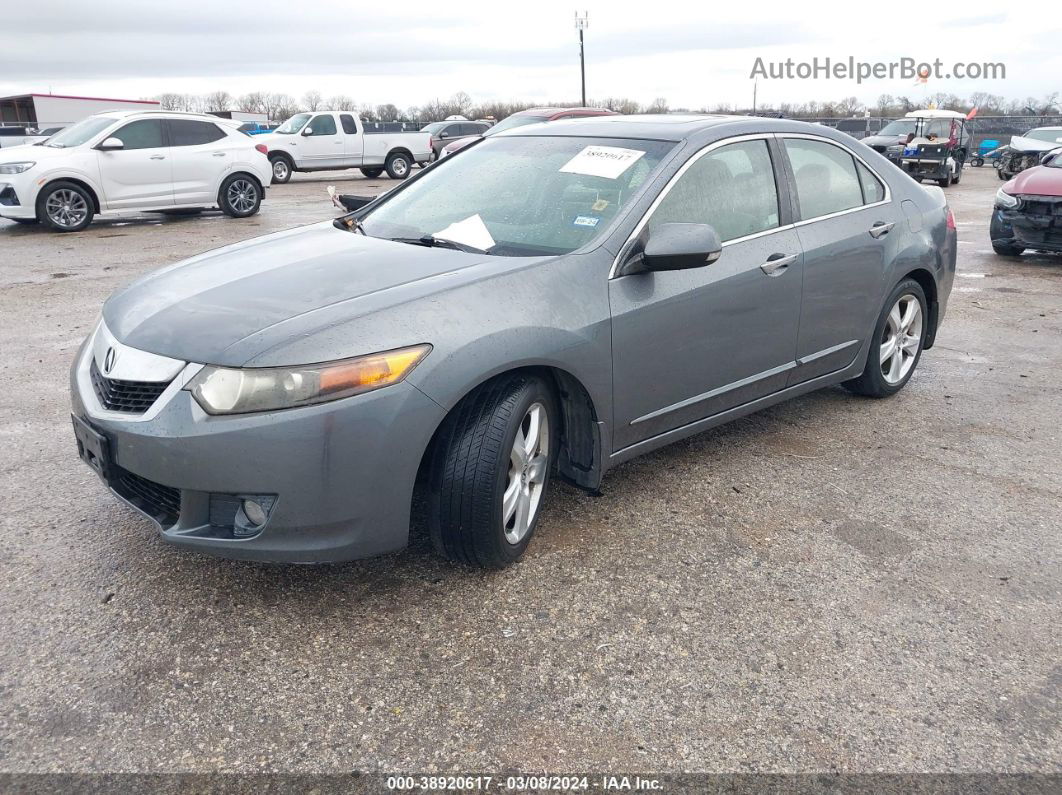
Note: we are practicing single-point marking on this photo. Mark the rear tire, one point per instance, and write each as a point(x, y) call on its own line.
point(372, 173)
point(240, 196)
point(65, 207)
point(490, 471)
point(897, 343)
point(398, 165)
point(282, 169)
point(977, 162)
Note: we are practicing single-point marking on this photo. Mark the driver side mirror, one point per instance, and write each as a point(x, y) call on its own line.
point(674, 247)
point(111, 144)
point(1050, 157)
point(308, 131)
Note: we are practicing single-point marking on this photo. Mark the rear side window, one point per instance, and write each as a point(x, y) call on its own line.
point(826, 179)
point(143, 134)
point(187, 132)
point(323, 125)
point(873, 190)
point(349, 126)
point(732, 188)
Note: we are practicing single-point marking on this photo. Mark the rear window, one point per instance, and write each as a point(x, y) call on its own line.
point(188, 132)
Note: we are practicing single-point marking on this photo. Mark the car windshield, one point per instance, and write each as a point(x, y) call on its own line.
point(520, 196)
point(294, 124)
point(898, 127)
point(434, 127)
point(515, 121)
point(1054, 136)
point(79, 133)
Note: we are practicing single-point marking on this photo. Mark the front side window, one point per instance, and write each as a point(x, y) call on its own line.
point(521, 196)
point(826, 179)
point(322, 125)
point(188, 132)
point(143, 134)
point(731, 188)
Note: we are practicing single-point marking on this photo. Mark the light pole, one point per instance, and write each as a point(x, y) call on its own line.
point(581, 24)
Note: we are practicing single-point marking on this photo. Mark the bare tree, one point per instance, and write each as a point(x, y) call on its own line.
point(342, 102)
point(170, 101)
point(658, 105)
point(255, 102)
point(311, 100)
point(218, 100)
point(387, 112)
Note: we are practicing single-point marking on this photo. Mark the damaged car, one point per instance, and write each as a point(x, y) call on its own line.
point(1028, 210)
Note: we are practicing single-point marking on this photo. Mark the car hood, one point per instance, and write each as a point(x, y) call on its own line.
point(22, 152)
point(231, 305)
point(1037, 181)
point(883, 140)
point(1020, 143)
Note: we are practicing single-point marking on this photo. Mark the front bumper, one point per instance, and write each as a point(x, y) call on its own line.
point(338, 476)
point(11, 203)
point(1036, 224)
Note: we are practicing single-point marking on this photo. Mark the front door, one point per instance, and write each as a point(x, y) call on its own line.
point(322, 145)
point(691, 343)
point(140, 174)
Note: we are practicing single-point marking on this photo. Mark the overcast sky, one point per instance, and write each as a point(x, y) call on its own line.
point(692, 54)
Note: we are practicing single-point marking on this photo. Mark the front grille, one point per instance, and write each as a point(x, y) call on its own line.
point(131, 397)
point(162, 503)
point(1048, 208)
point(8, 197)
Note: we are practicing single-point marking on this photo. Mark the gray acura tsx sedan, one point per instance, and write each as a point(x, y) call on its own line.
point(547, 303)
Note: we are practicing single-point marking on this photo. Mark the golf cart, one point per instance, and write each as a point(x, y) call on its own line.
point(937, 147)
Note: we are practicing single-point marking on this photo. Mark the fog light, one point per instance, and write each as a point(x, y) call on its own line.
point(254, 512)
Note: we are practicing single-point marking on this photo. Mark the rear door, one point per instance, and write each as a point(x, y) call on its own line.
point(847, 223)
point(691, 343)
point(140, 174)
point(201, 154)
point(353, 140)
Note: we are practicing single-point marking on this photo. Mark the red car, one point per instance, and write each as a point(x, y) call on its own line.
point(530, 116)
point(1028, 211)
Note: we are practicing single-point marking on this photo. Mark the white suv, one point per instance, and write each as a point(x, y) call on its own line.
point(124, 161)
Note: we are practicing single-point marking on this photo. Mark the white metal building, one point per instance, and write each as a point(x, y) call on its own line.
point(55, 110)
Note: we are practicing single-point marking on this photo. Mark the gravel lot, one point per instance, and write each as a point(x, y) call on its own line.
point(831, 584)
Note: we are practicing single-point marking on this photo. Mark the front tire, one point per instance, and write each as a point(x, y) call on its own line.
point(372, 173)
point(282, 168)
point(65, 207)
point(240, 196)
point(899, 336)
point(1007, 249)
point(490, 471)
point(398, 165)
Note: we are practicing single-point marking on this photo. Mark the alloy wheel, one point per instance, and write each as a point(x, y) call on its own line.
point(901, 339)
point(526, 478)
point(280, 169)
point(66, 208)
point(242, 195)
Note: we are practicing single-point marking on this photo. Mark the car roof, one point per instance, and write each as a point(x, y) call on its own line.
point(665, 127)
point(934, 113)
point(550, 113)
point(128, 114)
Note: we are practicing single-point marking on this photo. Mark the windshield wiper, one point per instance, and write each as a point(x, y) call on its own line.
point(439, 242)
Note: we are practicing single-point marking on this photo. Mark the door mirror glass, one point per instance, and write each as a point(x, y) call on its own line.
point(110, 144)
point(308, 131)
point(1049, 158)
point(444, 135)
point(675, 246)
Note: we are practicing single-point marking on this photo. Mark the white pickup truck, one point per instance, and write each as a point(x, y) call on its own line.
point(328, 140)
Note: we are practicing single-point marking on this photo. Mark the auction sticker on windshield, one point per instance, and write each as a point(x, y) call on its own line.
point(602, 161)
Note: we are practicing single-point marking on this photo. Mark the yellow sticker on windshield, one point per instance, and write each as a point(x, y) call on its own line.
point(599, 205)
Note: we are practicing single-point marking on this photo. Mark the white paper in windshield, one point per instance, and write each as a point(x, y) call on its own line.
point(602, 161)
point(471, 231)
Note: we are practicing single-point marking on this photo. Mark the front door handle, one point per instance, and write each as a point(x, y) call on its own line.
point(880, 228)
point(158, 157)
point(219, 154)
point(777, 263)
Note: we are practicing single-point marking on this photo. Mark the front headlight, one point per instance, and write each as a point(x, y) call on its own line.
point(221, 390)
point(1005, 201)
point(16, 168)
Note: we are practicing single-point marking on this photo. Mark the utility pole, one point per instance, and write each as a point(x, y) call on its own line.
point(755, 85)
point(581, 24)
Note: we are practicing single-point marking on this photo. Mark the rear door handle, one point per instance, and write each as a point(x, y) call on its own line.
point(777, 263)
point(881, 228)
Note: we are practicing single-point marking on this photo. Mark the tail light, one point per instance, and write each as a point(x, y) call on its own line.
point(951, 219)
point(262, 148)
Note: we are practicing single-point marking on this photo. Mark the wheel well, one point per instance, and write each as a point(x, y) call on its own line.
point(247, 174)
point(929, 287)
point(579, 458)
point(281, 155)
point(80, 184)
point(400, 150)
